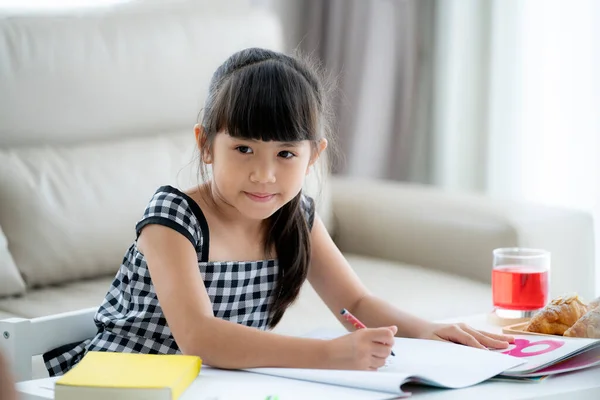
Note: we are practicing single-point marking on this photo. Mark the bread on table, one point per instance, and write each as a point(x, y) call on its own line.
point(558, 316)
point(588, 326)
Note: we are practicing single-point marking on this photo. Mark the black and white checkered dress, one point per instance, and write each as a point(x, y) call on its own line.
point(130, 318)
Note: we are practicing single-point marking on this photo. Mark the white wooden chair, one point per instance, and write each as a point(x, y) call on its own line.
point(24, 338)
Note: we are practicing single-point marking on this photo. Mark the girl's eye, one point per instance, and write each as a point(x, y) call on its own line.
point(244, 149)
point(286, 154)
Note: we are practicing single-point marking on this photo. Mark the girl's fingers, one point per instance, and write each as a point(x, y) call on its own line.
point(460, 335)
point(377, 362)
point(487, 341)
point(464, 334)
point(382, 350)
point(382, 335)
point(504, 338)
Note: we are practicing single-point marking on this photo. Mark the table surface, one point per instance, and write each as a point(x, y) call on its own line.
point(213, 384)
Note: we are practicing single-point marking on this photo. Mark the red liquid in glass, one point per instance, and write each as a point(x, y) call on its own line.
point(518, 287)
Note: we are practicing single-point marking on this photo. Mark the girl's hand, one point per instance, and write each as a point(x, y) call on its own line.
point(464, 334)
point(364, 349)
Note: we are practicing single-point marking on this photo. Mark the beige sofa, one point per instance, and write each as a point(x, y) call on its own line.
point(96, 111)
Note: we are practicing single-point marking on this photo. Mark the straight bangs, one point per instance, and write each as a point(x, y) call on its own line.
point(266, 101)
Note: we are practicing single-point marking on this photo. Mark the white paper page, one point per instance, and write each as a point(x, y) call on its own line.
point(216, 384)
point(447, 364)
point(539, 351)
point(432, 362)
point(368, 380)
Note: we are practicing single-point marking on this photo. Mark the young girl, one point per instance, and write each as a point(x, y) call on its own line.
point(215, 267)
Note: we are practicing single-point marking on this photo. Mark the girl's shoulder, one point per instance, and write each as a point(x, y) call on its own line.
point(173, 208)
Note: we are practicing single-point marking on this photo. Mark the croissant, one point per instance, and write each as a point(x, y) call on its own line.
point(558, 316)
point(587, 326)
point(594, 304)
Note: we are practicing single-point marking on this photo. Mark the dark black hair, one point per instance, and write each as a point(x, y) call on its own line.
point(269, 96)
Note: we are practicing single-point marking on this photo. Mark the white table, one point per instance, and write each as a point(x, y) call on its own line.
point(222, 385)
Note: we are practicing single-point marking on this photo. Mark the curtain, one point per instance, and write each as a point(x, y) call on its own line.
point(380, 54)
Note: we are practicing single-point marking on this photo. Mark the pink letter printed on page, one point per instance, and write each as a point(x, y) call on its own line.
point(522, 344)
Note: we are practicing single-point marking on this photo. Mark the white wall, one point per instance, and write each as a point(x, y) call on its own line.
point(517, 101)
point(544, 124)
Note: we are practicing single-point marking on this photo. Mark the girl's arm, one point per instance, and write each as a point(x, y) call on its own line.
point(7, 384)
point(173, 265)
point(339, 287)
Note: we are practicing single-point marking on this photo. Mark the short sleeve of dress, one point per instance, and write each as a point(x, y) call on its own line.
point(307, 206)
point(170, 207)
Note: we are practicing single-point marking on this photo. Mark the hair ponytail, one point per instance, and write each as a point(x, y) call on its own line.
point(289, 233)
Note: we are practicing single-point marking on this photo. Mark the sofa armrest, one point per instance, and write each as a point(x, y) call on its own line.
point(456, 232)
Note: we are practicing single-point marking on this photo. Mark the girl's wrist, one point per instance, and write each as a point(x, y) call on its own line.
point(307, 353)
point(325, 353)
point(425, 330)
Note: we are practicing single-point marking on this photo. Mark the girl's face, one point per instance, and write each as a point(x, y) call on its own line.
point(256, 177)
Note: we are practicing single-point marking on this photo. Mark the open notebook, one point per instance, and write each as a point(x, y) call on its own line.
point(421, 361)
point(445, 365)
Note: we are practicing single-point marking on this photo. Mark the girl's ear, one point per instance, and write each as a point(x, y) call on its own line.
point(321, 146)
point(201, 138)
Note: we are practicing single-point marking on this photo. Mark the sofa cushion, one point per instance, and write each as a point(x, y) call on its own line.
point(96, 73)
point(427, 293)
point(10, 278)
point(6, 315)
point(69, 212)
point(57, 299)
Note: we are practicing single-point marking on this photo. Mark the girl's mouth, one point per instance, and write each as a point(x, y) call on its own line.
point(260, 197)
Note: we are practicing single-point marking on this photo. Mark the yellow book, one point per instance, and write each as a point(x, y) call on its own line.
point(130, 376)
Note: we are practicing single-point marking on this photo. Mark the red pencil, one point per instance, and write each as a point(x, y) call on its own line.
point(354, 321)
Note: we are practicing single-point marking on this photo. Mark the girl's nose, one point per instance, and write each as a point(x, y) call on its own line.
point(263, 173)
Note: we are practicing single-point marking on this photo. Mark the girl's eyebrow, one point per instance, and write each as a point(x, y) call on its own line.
point(281, 144)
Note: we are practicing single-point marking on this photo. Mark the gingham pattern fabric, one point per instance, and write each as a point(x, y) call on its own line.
point(130, 318)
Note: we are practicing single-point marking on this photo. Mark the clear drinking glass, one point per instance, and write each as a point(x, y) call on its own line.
point(520, 281)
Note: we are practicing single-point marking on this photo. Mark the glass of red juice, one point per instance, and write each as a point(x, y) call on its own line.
point(520, 281)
